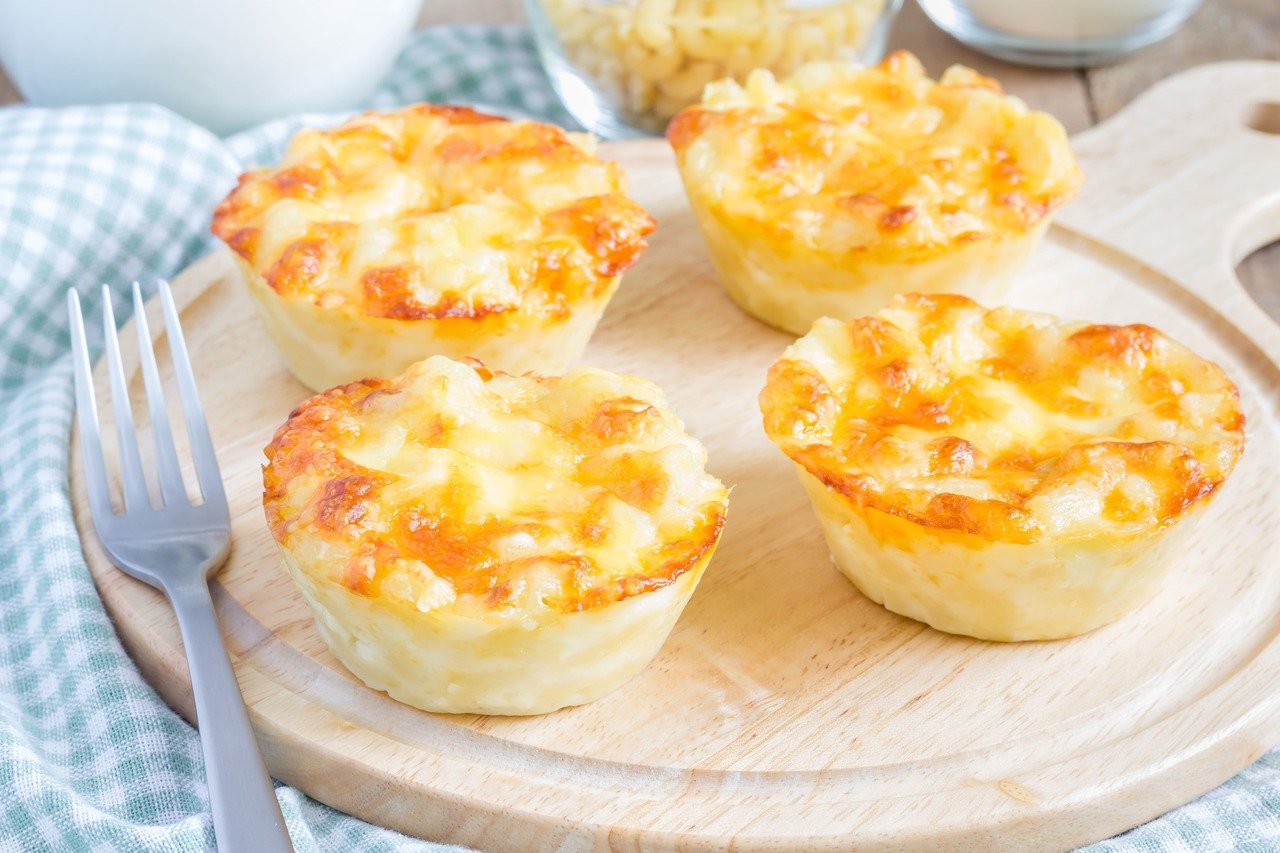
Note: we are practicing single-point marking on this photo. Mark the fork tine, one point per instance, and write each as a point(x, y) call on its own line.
point(207, 472)
point(95, 469)
point(131, 476)
point(171, 485)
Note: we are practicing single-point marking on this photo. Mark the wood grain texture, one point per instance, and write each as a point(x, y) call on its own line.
point(785, 709)
point(437, 12)
point(8, 92)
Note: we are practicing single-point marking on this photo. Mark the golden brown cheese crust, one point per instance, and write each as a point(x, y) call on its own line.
point(436, 212)
point(839, 158)
point(1006, 424)
point(457, 487)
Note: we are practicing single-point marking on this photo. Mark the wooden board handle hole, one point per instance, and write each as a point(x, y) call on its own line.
point(1264, 117)
point(1263, 288)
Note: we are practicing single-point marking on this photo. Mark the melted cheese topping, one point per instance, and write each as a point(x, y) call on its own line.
point(434, 212)
point(456, 487)
point(840, 158)
point(1007, 424)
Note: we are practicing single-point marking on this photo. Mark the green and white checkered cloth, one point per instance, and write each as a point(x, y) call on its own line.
point(90, 757)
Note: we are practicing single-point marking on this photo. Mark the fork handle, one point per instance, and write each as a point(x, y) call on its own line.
point(246, 814)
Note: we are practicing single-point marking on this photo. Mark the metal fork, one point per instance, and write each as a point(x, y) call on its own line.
point(175, 547)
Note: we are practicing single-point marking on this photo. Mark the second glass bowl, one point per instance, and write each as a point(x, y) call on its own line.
point(1057, 33)
point(623, 68)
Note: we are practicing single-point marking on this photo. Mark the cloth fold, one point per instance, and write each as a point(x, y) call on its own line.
point(90, 757)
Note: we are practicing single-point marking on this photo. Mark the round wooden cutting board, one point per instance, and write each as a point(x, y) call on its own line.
point(786, 710)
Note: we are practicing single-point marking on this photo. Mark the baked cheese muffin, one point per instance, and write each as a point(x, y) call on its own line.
point(471, 541)
point(827, 193)
point(1002, 474)
point(433, 230)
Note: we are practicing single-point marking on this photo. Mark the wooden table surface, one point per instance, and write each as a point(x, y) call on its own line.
point(1220, 30)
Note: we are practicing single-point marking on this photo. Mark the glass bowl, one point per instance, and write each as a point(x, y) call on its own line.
point(1059, 34)
point(623, 68)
